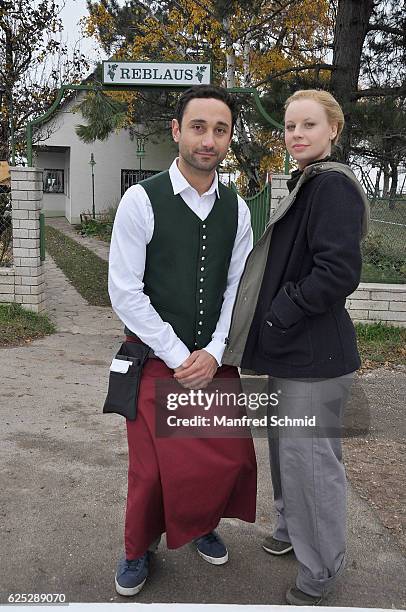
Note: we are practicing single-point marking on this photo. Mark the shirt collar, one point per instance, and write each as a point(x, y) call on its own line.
point(179, 183)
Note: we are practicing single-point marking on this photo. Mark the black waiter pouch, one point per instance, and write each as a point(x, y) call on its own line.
point(124, 383)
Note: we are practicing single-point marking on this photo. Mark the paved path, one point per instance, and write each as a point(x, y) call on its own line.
point(63, 486)
point(70, 312)
point(67, 309)
point(99, 247)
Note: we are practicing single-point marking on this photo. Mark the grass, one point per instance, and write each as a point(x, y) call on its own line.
point(373, 273)
point(18, 325)
point(381, 344)
point(86, 271)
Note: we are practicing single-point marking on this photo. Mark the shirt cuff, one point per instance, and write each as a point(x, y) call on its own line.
point(216, 349)
point(176, 357)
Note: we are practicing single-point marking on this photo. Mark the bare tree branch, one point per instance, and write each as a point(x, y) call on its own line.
point(276, 75)
point(380, 92)
point(381, 27)
point(260, 24)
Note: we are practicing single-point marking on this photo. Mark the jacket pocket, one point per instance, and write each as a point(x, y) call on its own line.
point(292, 346)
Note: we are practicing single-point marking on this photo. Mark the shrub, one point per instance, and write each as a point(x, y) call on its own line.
point(101, 226)
point(6, 232)
point(380, 254)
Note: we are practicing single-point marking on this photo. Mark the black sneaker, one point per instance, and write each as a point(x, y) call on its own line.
point(131, 575)
point(212, 548)
point(276, 547)
point(296, 597)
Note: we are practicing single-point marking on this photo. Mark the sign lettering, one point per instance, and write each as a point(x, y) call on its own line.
point(164, 74)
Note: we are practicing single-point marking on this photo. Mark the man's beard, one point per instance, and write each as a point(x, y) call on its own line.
point(206, 165)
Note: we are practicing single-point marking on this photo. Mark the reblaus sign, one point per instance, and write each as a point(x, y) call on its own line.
point(162, 74)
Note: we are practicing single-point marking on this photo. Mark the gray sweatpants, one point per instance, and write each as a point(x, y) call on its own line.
point(308, 477)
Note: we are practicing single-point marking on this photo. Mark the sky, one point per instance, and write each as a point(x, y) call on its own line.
point(73, 11)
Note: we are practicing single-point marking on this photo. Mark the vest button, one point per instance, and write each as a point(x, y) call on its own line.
point(201, 312)
point(203, 258)
point(203, 247)
point(199, 332)
point(200, 290)
point(201, 269)
point(204, 237)
point(200, 301)
point(204, 226)
point(201, 280)
point(200, 323)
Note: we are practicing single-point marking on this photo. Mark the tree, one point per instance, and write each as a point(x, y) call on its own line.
point(351, 27)
point(383, 104)
point(369, 43)
point(368, 40)
point(277, 47)
point(33, 64)
point(244, 41)
point(379, 139)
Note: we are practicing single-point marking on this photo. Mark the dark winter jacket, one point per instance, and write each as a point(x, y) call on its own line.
point(300, 327)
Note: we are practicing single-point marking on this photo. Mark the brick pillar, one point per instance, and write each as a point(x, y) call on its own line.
point(278, 189)
point(26, 194)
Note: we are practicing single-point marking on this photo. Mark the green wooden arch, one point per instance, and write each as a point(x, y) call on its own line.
point(241, 90)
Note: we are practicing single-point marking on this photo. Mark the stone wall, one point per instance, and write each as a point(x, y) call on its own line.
point(373, 302)
point(25, 282)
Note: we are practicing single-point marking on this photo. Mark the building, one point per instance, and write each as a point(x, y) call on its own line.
point(67, 177)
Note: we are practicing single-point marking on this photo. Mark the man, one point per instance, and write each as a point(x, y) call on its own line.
point(178, 249)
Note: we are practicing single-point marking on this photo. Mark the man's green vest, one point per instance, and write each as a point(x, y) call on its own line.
point(187, 260)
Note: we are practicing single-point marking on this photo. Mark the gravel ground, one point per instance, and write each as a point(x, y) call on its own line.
point(376, 461)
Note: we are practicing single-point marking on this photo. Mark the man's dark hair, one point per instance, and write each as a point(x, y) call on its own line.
point(206, 91)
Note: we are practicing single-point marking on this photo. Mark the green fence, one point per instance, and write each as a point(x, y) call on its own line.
point(259, 206)
point(42, 236)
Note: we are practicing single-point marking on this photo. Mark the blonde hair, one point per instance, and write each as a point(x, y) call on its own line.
point(327, 101)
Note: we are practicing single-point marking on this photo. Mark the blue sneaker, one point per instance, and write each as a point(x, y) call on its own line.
point(131, 575)
point(212, 548)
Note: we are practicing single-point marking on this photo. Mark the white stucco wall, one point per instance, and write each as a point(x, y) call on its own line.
point(112, 155)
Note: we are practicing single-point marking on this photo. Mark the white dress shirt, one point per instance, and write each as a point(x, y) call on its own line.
point(132, 231)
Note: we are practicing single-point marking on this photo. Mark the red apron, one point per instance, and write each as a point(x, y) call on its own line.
point(182, 486)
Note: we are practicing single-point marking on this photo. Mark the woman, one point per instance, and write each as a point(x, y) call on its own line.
point(290, 322)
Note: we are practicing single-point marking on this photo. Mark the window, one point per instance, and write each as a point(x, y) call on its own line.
point(132, 177)
point(53, 181)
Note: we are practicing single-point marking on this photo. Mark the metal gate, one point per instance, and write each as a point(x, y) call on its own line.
point(259, 206)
